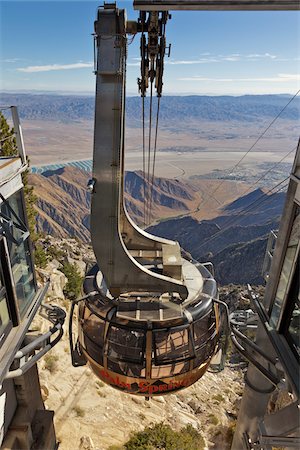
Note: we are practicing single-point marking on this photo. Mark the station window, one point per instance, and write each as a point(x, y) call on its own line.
point(291, 320)
point(5, 319)
point(288, 269)
point(19, 253)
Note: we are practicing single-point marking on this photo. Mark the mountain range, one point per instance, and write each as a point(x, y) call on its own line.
point(234, 240)
point(245, 108)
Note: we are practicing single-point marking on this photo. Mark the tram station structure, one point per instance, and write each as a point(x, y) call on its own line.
point(150, 321)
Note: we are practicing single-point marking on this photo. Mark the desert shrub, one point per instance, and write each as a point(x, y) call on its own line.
point(161, 436)
point(55, 252)
point(219, 398)
point(50, 360)
point(101, 394)
point(73, 287)
point(78, 411)
point(213, 419)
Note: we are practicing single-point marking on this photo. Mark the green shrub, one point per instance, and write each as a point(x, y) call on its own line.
point(40, 257)
point(73, 287)
point(161, 436)
point(218, 397)
point(79, 411)
point(51, 362)
point(9, 148)
point(55, 252)
point(213, 419)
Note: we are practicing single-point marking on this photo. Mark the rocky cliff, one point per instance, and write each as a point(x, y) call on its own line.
point(63, 203)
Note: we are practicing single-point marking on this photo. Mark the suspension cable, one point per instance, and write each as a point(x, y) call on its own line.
point(249, 150)
point(264, 174)
point(149, 150)
point(144, 160)
point(154, 158)
point(269, 170)
point(143, 119)
point(233, 220)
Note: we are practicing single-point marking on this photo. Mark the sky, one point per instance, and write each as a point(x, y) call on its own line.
point(48, 46)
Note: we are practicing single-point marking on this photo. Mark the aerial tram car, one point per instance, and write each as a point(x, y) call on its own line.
point(149, 323)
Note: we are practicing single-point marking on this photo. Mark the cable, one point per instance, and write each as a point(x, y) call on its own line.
point(252, 205)
point(155, 73)
point(131, 40)
point(154, 157)
point(249, 150)
point(270, 170)
point(144, 160)
point(149, 149)
point(143, 115)
point(261, 177)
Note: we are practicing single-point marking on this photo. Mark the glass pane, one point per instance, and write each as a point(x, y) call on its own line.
point(294, 327)
point(93, 349)
point(170, 347)
point(170, 370)
point(4, 314)
point(287, 269)
point(127, 345)
point(127, 369)
point(20, 256)
point(203, 330)
point(93, 327)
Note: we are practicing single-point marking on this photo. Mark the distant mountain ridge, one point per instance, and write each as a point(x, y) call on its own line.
point(235, 240)
point(63, 202)
point(211, 108)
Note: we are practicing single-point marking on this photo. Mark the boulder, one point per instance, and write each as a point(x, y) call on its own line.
point(57, 281)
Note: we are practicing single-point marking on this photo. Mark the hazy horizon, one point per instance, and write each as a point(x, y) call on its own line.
point(170, 94)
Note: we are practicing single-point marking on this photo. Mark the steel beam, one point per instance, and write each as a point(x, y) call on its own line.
point(216, 5)
point(112, 231)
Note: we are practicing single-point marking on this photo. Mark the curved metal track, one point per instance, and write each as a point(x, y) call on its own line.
point(114, 236)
